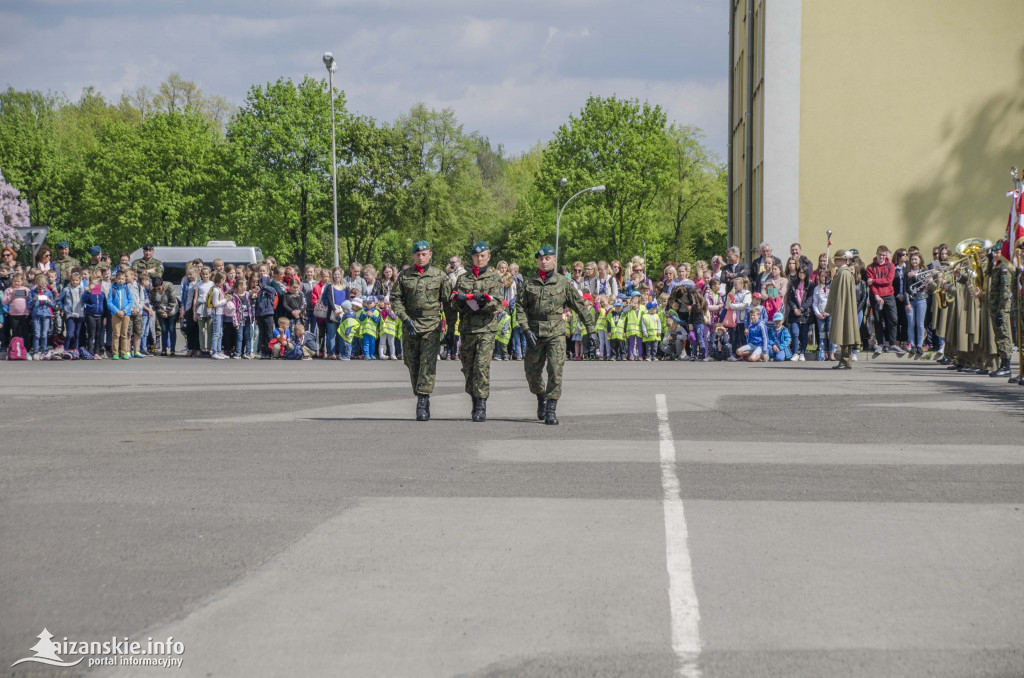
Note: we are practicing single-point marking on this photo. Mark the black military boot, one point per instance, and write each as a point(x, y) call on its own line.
point(481, 410)
point(422, 408)
point(1003, 371)
point(549, 413)
point(476, 409)
point(542, 407)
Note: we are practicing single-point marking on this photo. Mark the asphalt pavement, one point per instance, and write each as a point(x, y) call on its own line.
point(291, 518)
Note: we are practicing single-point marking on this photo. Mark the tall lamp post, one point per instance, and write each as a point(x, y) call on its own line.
point(331, 67)
point(558, 219)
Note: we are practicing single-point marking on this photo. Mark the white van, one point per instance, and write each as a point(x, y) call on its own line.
point(175, 259)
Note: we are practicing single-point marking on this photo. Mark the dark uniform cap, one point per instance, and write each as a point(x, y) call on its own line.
point(420, 246)
point(95, 249)
point(480, 247)
point(62, 243)
point(546, 250)
point(149, 246)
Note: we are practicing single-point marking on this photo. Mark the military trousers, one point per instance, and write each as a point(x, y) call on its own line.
point(420, 355)
point(549, 351)
point(476, 352)
point(1001, 327)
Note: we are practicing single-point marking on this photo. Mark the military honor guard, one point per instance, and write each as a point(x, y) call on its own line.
point(419, 296)
point(539, 309)
point(842, 310)
point(476, 301)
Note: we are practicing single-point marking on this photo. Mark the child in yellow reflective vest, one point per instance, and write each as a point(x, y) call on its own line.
point(388, 332)
point(369, 323)
point(504, 334)
point(617, 330)
point(650, 326)
point(348, 329)
point(634, 347)
point(603, 348)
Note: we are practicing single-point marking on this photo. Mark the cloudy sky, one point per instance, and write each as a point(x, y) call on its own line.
point(514, 70)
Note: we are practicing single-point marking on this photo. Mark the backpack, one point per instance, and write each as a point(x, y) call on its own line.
point(16, 351)
point(85, 354)
point(209, 298)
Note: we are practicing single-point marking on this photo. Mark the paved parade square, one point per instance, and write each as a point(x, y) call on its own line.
point(291, 518)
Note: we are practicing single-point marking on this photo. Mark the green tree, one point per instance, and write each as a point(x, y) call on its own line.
point(619, 143)
point(281, 141)
point(29, 152)
point(153, 181)
point(693, 209)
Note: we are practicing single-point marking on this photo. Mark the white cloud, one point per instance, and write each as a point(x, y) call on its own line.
point(513, 71)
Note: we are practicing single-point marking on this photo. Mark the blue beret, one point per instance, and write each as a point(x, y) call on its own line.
point(420, 246)
point(63, 243)
point(545, 250)
point(480, 247)
point(95, 249)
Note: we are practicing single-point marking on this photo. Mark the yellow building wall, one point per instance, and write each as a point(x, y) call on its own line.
point(912, 112)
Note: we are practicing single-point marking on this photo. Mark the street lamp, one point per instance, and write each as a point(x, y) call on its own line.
point(331, 67)
point(558, 219)
point(558, 202)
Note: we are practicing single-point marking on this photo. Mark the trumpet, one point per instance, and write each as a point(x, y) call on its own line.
point(924, 279)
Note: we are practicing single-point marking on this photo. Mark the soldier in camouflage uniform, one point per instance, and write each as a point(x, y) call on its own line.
point(476, 299)
point(418, 297)
point(147, 264)
point(1000, 296)
point(539, 309)
point(64, 262)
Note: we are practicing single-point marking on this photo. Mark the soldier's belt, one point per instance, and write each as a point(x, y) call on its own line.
point(548, 316)
point(414, 314)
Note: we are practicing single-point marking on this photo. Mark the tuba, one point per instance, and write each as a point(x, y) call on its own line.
point(973, 249)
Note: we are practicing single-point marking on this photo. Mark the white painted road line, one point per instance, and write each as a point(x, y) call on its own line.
point(681, 591)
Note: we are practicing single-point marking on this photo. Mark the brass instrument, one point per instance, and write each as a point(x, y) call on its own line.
point(972, 251)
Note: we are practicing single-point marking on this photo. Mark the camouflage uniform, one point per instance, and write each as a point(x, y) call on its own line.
point(539, 308)
point(421, 297)
point(64, 266)
point(141, 266)
point(477, 329)
point(1000, 297)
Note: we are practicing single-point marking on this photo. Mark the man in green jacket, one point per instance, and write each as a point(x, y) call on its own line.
point(476, 300)
point(418, 297)
point(539, 309)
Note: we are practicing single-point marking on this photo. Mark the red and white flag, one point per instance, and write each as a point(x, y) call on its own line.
point(1014, 225)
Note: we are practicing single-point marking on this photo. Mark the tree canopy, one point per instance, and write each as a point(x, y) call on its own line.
point(179, 167)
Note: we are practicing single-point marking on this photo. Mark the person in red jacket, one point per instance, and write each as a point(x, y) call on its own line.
point(881, 273)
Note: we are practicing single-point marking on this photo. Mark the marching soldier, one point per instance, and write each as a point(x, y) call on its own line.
point(539, 309)
point(418, 297)
point(476, 300)
point(1000, 295)
point(147, 264)
point(64, 262)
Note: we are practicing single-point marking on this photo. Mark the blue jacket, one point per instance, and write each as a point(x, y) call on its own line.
point(95, 304)
point(40, 308)
point(120, 299)
point(757, 335)
point(779, 337)
point(66, 299)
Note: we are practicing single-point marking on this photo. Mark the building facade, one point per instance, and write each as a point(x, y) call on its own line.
point(887, 122)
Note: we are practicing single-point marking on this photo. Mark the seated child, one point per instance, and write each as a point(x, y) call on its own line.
point(720, 348)
point(779, 339)
point(281, 342)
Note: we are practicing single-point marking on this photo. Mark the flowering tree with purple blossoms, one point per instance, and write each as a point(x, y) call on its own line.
point(13, 214)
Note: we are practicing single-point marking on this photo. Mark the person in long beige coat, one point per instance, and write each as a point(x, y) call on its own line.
point(842, 310)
